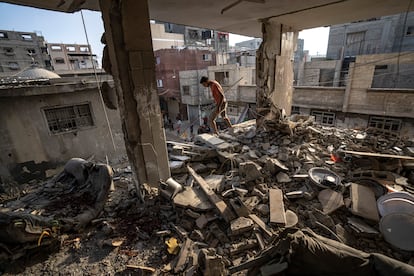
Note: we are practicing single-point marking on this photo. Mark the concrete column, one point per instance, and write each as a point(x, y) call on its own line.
point(274, 68)
point(132, 64)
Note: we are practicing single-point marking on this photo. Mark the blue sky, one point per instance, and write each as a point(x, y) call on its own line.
point(58, 27)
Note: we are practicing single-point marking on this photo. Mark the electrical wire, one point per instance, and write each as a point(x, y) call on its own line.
point(98, 84)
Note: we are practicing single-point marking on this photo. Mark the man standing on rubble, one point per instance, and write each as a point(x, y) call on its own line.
point(219, 99)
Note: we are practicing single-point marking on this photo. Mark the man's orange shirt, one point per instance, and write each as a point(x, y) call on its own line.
point(217, 91)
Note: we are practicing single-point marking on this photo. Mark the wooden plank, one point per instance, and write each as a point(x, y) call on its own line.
point(261, 224)
point(276, 206)
point(379, 155)
point(220, 205)
point(363, 202)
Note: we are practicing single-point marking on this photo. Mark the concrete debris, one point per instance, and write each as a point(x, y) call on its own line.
point(330, 200)
point(241, 225)
point(363, 202)
point(235, 202)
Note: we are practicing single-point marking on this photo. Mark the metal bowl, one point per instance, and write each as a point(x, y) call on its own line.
point(398, 229)
point(324, 178)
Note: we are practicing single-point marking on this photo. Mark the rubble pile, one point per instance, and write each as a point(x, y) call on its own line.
point(305, 199)
point(233, 195)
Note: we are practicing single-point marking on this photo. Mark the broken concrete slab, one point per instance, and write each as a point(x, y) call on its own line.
point(213, 263)
point(214, 181)
point(276, 206)
point(213, 141)
point(243, 246)
point(250, 171)
point(283, 178)
point(194, 198)
point(360, 227)
point(330, 200)
point(241, 225)
point(239, 207)
point(274, 166)
point(182, 158)
point(364, 203)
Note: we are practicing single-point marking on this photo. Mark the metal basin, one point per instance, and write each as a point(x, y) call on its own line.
point(324, 178)
point(397, 202)
point(398, 229)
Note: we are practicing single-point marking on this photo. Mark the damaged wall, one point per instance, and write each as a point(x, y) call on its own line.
point(274, 67)
point(361, 98)
point(28, 147)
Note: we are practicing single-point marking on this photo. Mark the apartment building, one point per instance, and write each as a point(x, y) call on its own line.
point(71, 57)
point(20, 50)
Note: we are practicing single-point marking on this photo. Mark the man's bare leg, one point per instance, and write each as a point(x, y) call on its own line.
point(213, 122)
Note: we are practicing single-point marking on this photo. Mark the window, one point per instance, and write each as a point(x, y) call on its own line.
point(56, 48)
point(68, 118)
point(14, 66)
point(384, 123)
point(157, 60)
point(27, 37)
point(159, 83)
point(70, 48)
point(207, 57)
point(59, 61)
point(326, 77)
point(8, 51)
point(3, 35)
point(206, 34)
point(84, 48)
point(193, 34)
point(222, 77)
point(295, 110)
point(410, 30)
point(393, 76)
point(324, 118)
point(186, 90)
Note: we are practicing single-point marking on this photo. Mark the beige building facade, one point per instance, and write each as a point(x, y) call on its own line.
point(360, 103)
point(164, 40)
point(43, 126)
point(71, 57)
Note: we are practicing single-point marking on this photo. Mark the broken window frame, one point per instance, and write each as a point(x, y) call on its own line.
point(295, 109)
point(385, 124)
point(69, 118)
point(409, 31)
point(31, 51)
point(323, 117)
point(9, 51)
point(207, 57)
point(222, 77)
